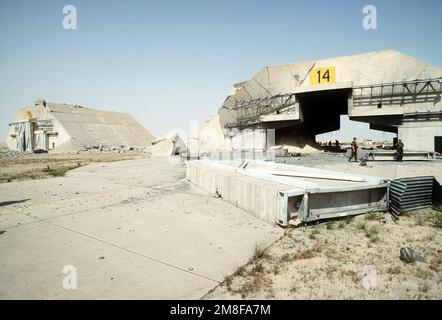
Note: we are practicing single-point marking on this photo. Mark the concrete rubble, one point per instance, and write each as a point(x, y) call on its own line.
point(166, 146)
point(106, 148)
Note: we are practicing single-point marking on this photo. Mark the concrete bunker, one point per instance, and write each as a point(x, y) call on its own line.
point(59, 127)
point(320, 112)
point(390, 91)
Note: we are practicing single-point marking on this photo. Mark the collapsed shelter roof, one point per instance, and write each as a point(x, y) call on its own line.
point(380, 67)
point(69, 127)
point(89, 126)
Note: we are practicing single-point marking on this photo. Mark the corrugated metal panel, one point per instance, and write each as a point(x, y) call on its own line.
point(408, 194)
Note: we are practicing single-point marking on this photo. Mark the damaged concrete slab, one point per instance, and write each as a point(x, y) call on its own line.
point(136, 229)
point(288, 194)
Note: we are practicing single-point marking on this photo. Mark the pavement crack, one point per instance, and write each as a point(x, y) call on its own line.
point(133, 252)
point(110, 244)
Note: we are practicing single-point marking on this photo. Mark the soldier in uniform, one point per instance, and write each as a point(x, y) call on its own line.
point(400, 150)
point(337, 146)
point(354, 150)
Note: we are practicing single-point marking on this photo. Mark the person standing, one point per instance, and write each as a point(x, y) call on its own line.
point(354, 150)
point(400, 150)
point(337, 146)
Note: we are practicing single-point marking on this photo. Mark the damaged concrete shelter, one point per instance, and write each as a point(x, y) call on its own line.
point(66, 128)
point(170, 145)
point(286, 105)
point(290, 105)
point(389, 90)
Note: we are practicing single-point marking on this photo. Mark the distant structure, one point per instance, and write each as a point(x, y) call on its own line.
point(389, 90)
point(64, 127)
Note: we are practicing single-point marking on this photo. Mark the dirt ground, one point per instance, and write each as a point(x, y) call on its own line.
point(38, 166)
point(354, 258)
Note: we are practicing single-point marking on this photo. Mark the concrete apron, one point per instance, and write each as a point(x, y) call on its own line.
point(132, 229)
point(288, 194)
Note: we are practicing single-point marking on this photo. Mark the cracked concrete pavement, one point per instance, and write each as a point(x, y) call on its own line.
point(132, 229)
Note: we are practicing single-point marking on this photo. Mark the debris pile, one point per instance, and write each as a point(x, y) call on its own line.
point(210, 135)
point(13, 154)
point(108, 148)
point(167, 146)
point(298, 149)
point(409, 255)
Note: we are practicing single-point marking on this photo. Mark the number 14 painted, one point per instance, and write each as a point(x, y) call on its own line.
point(322, 75)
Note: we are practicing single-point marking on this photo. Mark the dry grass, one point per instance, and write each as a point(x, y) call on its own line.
point(30, 167)
point(371, 231)
point(372, 216)
point(259, 252)
point(436, 219)
point(435, 264)
point(308, 253)
point(253, 275)
point(328, 262)
point(425, 217)
point(314, 234)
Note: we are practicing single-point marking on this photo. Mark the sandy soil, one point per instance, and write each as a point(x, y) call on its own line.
point(305, 149)
point(348, 259)
point(35, 166)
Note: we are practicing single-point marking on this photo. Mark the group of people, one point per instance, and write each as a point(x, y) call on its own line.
point(337, 146)
point(399, 146)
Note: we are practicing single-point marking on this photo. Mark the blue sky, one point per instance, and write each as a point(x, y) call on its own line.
point(171, 62)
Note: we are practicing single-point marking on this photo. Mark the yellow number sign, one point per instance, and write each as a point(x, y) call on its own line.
point(29, 113)
point(322, 75)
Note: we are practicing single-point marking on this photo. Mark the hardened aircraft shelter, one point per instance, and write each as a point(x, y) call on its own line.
point(391, 91)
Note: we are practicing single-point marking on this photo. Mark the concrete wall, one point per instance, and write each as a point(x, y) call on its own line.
point(42, 113)
point(247, 139)
point(212, 138)
point(419, 136)
point(360, 69)
point(255, 196)
point(210, 135)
